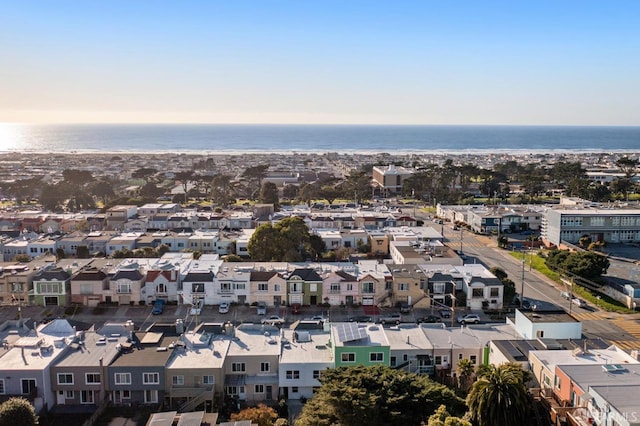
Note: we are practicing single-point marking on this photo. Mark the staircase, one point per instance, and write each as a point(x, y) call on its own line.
point(201, 398)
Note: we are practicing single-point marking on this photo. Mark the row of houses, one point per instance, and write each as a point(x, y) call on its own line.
point(182, 279)
point(56, 364)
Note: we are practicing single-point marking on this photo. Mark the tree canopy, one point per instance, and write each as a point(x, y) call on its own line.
point(585, 264)
point(283, 242)
point(18, 412)
point(376, 396)
point(499, 396)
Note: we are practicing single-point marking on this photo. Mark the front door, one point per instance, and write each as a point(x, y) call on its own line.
point(51, 300)
point(269, 394)
point(349, 300)
point(277, 300)
point(313, 300)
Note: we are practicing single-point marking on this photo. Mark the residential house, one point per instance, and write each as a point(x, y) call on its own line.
point(252, 364)
point(116, 216)
point(268, 286)
point(305, 355)
point(122, 242)
point(79, 377)
point(90, 285)
point(25, 370)
point(52, 287)
point(127, 280)
point(138, 375)
point(304, 287)
point(482, 288)
point(391, 178)
point(195, 372)
point(232, 283)
point(554, 324)
point(69, 243)
point(359, 344)
point(375, 281)
point(341, 288)
point(410, 350)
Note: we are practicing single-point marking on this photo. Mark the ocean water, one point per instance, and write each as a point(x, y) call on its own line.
point(212, 138)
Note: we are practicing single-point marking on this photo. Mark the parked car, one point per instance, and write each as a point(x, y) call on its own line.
point(405, 308)
point(445, 313)
point(273, 320)
point(320, 318)
point(565, 295)
point(360, 318)
point(223, 308)
point(469, 319)
point(196, 309)
point(428, 319)
point(394, 318)
point(262, 308)
point(158, 307)
point(579, 302)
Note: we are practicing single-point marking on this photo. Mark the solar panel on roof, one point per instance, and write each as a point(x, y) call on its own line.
point(349, 332)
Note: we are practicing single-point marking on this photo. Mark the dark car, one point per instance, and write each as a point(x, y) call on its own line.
point(428, 319)
point(360, 318)
point(158, 307)
point(445, 313)
point(405, 308)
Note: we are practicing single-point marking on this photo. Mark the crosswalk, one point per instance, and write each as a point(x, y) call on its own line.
point(588, 316)
point(633, 328)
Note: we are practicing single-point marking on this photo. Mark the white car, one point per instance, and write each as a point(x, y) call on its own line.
point(223, 308)
point(196, 309)
point(469, 319)
point(273, 320)
point(317, 318)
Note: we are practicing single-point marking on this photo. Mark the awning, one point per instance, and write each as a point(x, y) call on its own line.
point(235, 379)
point(262, 380)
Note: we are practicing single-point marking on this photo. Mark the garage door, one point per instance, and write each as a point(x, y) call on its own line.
point(51, 300)
point(367, 300)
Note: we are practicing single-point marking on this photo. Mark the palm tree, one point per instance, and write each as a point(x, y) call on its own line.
point(499, 397)
point(465, 373)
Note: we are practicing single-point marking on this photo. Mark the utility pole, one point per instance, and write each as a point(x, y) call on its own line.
point(461, 237)
point(522, 285)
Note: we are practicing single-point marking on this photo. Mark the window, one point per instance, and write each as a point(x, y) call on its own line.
point(388, 285)
point(293, 374)
point(335, 288)
point(393, 361)
point(316, 374)
point(459, 356)
point(150, 378)
point(238, 366)
point(438, 360)
point(65, 378)
point(197, 288)
point(92, 378)
point(263, 287)
point(69, 394)
point(122, 378)
point(28, 386)
point(259, 389)
point(16, 287)
point(313, 287)
point(348, 357)
point(439, 288)
point(87, 397)
point(2, 391)
point(161, 288)
point(49, 288)
point(86, 288)
point(368, 288)
point(376, 357)
point(177, 380)
point(477, 292)
point(558, 382)
point(349, 287)
point(403, 287)
point(208, 380)
point(264, 367)
point(495, 292)
point(124, 287)
point(150, 396)
point(235, 390)
point(597, 221)
point(405, 357)
point(473, 359)
point(125, 394)
point(276, 287)
point(294, 389)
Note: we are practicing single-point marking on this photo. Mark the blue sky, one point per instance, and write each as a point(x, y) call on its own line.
point(382, 62)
